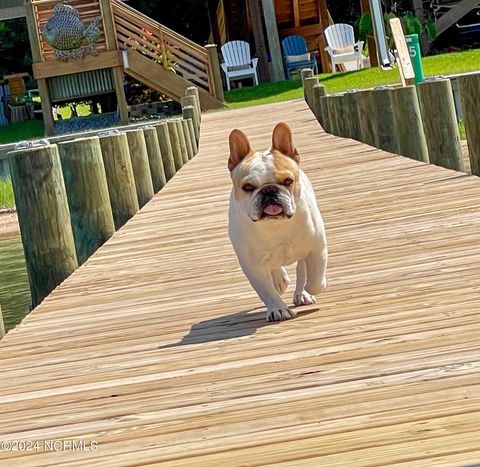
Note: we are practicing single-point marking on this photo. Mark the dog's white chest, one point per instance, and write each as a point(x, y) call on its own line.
point(277, 254)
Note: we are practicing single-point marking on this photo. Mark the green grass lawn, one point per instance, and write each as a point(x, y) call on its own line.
point(6, 193)
point(34, 129)
point(21, 131)
point(444, 64)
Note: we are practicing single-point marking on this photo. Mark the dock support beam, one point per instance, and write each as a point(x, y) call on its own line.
point(44, 218)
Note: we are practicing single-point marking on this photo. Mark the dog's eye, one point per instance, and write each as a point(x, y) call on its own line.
point(287, 181)
point(248, 187)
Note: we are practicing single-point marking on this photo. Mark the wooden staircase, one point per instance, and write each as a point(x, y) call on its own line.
point(163, 59)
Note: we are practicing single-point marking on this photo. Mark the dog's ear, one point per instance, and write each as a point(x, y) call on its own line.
point(239, 148)
point(282, 141)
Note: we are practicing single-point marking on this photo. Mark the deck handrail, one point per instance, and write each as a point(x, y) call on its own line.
point(162, 45)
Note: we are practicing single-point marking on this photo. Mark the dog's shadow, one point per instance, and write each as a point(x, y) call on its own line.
point(240, 324)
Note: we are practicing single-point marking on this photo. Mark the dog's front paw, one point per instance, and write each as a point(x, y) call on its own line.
point(303, 298)
point(280, 314)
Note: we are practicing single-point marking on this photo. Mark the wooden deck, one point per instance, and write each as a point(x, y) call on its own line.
point(157, 348)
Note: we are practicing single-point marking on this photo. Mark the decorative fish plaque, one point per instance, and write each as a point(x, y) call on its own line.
point(66, 33)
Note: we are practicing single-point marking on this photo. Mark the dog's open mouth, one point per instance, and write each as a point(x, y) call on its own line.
point(273, 210)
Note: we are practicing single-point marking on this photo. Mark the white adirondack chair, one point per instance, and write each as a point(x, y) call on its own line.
point(342, 47)
point(237, 62)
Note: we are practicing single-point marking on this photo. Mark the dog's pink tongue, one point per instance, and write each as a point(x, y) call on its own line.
point(273, 209)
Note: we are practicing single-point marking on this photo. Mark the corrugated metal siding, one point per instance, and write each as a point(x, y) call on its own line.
point(81, 84)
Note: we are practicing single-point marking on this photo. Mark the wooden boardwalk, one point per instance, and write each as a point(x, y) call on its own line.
point(157, 348)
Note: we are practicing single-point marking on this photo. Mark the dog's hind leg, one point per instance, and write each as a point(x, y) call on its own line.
point(300, 296)
point(280, 280)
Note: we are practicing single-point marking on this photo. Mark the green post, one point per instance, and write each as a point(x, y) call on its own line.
point(413, 45)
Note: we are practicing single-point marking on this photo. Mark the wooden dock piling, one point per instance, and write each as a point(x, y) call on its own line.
point(120, 178)
point(140, 165)
point(87, 192)
point(157, 170)
point(325, 113)
point(189, 101)
point(2, 324)
point(353, 123)
point(191, 132)
point(186, 133)
point(318, 91)
point(440, 123)
point(332, 115)
point(408, 123)
point(183, 142)
point(44, 218)
point(175, 142)
point(342, 117)
point(308, 84)
point(192, 91)
point(366, 117)
point(304, 74)
point(469, 86)
point(166, 150)
point(385, 125)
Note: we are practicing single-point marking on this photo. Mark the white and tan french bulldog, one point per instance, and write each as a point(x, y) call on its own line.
point(274, 221)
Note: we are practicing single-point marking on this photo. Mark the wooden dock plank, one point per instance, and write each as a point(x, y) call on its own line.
point(157, 347)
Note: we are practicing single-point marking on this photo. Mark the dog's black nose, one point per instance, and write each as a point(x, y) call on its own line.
point(269, 190)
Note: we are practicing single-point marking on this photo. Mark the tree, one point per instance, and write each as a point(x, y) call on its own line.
point(15, 53)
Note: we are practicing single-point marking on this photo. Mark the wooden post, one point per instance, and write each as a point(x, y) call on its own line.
point(183, 142)
point(43, 90)
point(120, 178)
point(469, 87)
point(188, 113)
point(163, 136)
point(308, 84)
point(189, 101)
point(366, 117)
point(353, 122)
point(118, 80)
point(385, 126)
point(324, 20)
point(140, 166)
point(175, 142)
point(332, 115)
point(408, 123)
point(87, 191)
point(440, 123)
point(117, 72)
point(318, 91)
point(157, 170)
point(278, 73)
point(2, 324)
point(259, 39)
point(193, 91)
point(339, 104)
point(405, 66)
point(325, 113)
point(372, 48)
point(188, 142)
point(44, 218)
point(217, 85)
point(191, 132)
point(305, 73)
